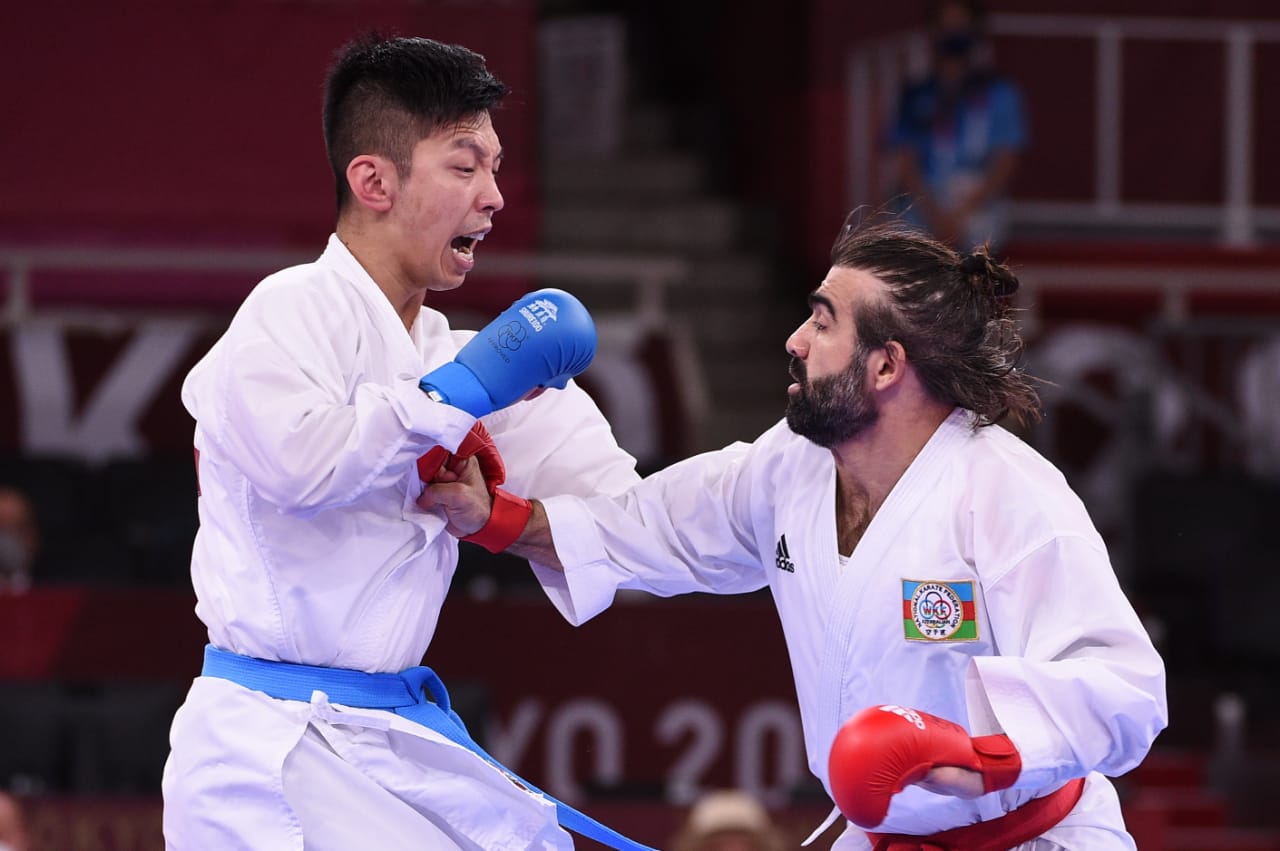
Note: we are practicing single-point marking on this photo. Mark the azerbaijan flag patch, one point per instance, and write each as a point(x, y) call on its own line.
point(938, 611)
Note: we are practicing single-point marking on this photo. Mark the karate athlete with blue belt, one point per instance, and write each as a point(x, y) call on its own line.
point(334, 393)
point(968, 668)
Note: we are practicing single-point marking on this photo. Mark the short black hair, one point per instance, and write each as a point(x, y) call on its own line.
point(385, 94)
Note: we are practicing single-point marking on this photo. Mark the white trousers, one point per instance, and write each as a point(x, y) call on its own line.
point(315, 777)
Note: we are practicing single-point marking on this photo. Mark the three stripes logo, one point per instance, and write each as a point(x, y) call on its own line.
point(782, 556)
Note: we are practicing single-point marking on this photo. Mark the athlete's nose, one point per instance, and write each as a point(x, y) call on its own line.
point(491, 198)
point(797, 346)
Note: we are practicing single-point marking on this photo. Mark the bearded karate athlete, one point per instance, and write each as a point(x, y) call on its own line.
point(968, 668)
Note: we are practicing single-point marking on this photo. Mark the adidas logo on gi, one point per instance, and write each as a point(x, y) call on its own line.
point(782, 556)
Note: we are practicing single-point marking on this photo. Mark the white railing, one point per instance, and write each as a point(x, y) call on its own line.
point(649, 277)
point(620, 331)
point(875, 71)
point(1174, 284)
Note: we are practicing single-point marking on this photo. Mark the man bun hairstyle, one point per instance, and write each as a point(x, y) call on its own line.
point(988, 276)
point(385, 94)
point(950, 312)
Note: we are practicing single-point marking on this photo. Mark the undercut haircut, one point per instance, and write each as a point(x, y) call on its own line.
point(384, 95)
point(950, 312)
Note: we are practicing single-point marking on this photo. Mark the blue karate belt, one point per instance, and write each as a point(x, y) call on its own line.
point(416, 694)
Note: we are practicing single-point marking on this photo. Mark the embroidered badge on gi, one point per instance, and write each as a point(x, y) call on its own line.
point(938, 611)
point(782, 556)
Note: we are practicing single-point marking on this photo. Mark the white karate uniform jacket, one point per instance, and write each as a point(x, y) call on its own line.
point(311, 549)
point(1054, 654)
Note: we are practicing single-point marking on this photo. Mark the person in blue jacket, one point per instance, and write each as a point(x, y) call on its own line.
point(957, 135)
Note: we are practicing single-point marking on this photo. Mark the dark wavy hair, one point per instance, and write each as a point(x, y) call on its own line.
point(384, 95)
point(951, 313)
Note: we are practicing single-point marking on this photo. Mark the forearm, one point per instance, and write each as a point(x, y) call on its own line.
point(1082, 688)
point(536, 543)
point(641, 540)
point(303, 450)
point(1073, 716)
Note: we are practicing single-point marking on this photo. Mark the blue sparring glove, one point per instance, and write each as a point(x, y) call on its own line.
point(542, 340)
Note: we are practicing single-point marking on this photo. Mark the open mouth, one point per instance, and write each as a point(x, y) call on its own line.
point(466, 244)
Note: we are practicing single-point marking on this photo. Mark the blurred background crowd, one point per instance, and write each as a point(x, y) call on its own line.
point(682, 168)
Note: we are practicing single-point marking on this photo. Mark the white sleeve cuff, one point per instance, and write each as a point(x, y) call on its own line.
point(1009, 705)
point(436, 423)
point(586, 586)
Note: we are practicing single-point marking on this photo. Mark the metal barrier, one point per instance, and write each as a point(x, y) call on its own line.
point(649, 276)
point(162, 333)
point(875, 70)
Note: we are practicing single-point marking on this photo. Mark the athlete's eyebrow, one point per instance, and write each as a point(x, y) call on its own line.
point(817, 299)
point(479, 150)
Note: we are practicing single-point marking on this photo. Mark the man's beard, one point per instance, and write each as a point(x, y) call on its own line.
point(833, 409)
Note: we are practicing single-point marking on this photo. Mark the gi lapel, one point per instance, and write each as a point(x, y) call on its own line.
point(835, 674)
point(400, 355)
point(406, 356)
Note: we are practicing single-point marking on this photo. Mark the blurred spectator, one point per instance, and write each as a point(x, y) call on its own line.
point(13, 829)
point(957, 134)
point(728, 820)
point(19, 540)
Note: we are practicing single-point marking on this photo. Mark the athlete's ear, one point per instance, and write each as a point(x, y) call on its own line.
point(888, 364)
point(373, 181)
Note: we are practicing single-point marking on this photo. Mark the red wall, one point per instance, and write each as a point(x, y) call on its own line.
point(199, 121)
point(136, 121)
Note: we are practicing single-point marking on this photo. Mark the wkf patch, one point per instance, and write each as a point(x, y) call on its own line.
point(938, 611)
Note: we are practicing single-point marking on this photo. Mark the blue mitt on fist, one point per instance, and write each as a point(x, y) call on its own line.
point(542, 340)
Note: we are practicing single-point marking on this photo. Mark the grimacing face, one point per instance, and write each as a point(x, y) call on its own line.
point(445, 205)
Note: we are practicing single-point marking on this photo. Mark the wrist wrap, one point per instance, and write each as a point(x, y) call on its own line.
point(507, 519)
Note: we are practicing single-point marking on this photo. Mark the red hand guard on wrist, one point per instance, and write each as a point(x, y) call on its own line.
point(510, 513)
point(883, 749)
point(479, 443)
point(507, 519)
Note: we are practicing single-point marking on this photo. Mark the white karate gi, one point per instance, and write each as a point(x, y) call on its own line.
point(312, 550)
point(1060, 661)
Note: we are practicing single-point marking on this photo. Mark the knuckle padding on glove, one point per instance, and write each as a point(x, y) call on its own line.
point(478, 444)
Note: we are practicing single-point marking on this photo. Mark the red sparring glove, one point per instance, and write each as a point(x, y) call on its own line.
point(509, 514)
point(883, 749)
point(479, 443)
